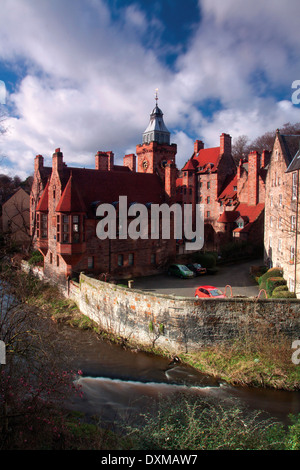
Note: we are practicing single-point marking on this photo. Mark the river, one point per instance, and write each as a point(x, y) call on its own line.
point(118, 383)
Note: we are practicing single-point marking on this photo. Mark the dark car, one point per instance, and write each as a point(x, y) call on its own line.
point(180, 270)
point(196, 268)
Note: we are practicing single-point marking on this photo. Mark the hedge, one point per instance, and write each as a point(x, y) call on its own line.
point(282, 294)
point(284, 287)
point(273, 282)
point(207, 260)
point(272, 272)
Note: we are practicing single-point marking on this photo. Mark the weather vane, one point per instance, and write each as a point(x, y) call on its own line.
point(156, 95)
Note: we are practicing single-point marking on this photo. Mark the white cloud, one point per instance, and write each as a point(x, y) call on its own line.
point(90, 81)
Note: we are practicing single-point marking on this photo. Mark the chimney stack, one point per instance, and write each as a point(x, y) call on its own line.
point(130, 161)
point(57, 160)
point(198, 145)
point(225, 144)
point(104, 161)
point(38, 162)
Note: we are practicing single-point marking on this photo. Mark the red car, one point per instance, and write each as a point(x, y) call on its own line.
point(209, 292)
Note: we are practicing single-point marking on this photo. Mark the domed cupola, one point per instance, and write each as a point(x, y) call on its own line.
point(156, 130)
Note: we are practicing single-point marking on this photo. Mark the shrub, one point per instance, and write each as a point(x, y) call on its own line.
point(36, 258)
point(283, 295)
point(207, 260)
point(273, 282)
point(192, 424)
point(280, 289)
point(273, 272)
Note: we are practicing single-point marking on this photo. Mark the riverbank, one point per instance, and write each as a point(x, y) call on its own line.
point(259, 361)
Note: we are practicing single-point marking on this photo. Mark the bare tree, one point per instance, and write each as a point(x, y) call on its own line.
point(241, 146)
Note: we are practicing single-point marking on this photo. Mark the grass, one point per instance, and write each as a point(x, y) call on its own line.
point(254, 361)
point(193, 423)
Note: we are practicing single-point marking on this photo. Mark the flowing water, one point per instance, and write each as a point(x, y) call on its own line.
point(117, 383)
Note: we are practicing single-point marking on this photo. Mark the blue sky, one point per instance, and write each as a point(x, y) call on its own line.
point(81, 75)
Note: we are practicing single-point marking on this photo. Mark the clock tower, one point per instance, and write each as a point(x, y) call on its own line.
point(156, 151)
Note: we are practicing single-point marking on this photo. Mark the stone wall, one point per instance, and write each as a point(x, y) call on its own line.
point(182, 324)
point(178, 324)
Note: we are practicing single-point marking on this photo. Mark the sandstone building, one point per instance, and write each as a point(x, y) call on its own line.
point(64, 203)
point(15, 218)
point(281, 237)
point(233, 197)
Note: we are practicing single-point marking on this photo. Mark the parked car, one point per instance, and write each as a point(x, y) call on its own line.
point(180, 270)
point(196, 268)
point(209, 292)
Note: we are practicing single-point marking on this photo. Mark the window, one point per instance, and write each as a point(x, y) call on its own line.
point(271, 201)
point(294, 186)
point(38, 225)
point(271, 221)
point(57, 260)
point(208, 214)
point(270, 242)
point(208, 200)
point(280, 200)
point(153, 258)
point(279, 245)
point(51, 258)
point(280, 223)
point(208, 185)
point(292, 254)
point(76, 234)
point(131, 259)
point(44, 226)
point(65, 226)
point(90, 262)
point(234, 188)
point(58, 228)
point(293, 223)
point(120, 260)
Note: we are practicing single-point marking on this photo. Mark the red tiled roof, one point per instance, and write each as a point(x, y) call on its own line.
point(228, 217)
point(89, 186)
point(252, 212)
point(191, 164)
point(43, 202)
point(71, 200)
point(229, 192)
point(206, 156)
